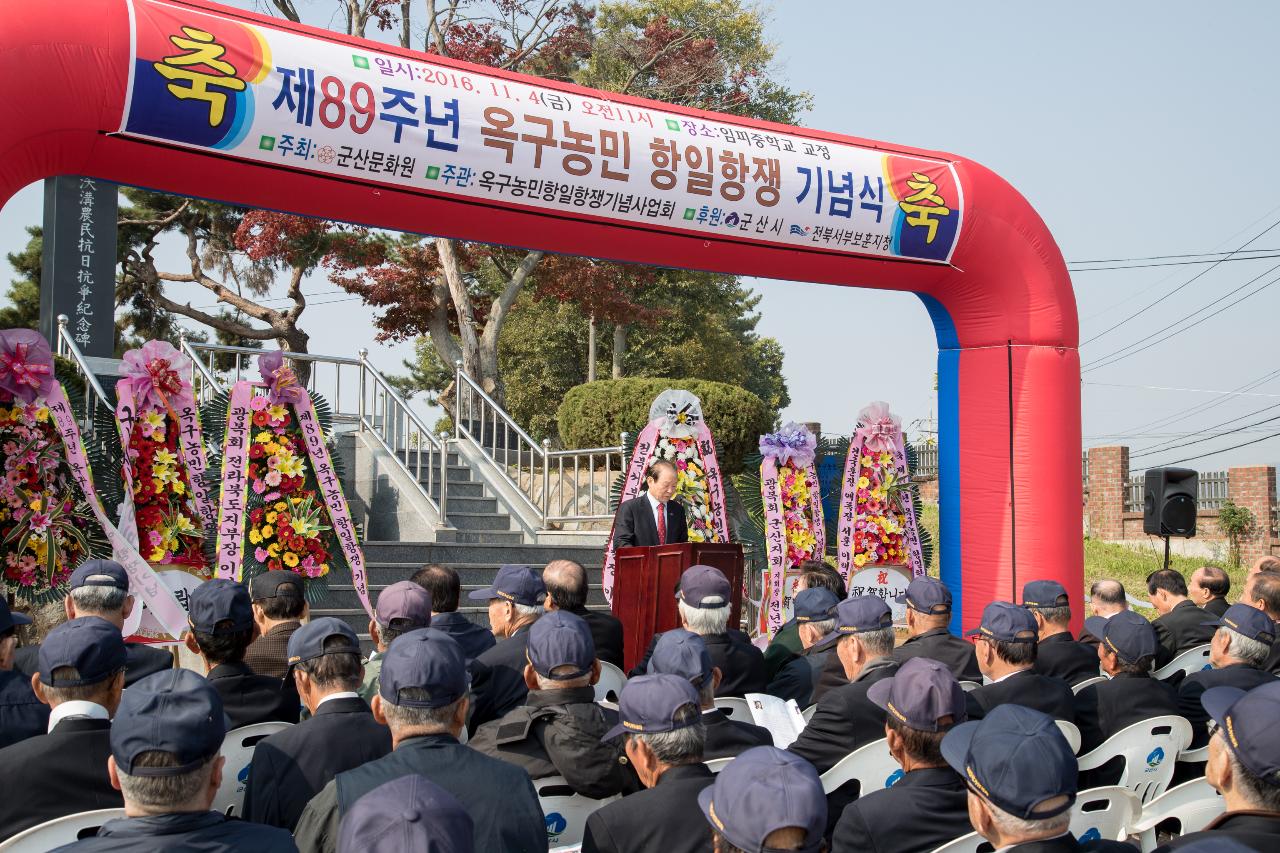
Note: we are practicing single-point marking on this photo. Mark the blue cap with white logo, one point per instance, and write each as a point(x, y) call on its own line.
point(815, 604)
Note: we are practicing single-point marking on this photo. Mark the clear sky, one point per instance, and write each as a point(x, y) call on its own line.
point(1135, 129)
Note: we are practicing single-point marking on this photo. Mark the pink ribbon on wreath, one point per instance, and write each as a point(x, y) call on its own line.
point(26, 364)
point(878, 428)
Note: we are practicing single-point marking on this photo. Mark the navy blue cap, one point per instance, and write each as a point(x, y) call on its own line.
point(517, 584)
point(682, 653)
point(704, 587)
point(927, 595)
point(1125, 634)
point(1248, 622)
point(1038, 594)
point(427, 659)
point(268, 585)
point(307, 643)
point(561, 639)
point(648, 705)
point(815, 604)
point(9, 619)
point(90, 644)
point(1015, 758)
point(921, 693)
point(410, 814)
point(857, 615)
point(1247, 721)
point(407, 602)
point(1006, 623)
point(220, 600)
point(173, 711)
point(761, 791)
point(100, 573)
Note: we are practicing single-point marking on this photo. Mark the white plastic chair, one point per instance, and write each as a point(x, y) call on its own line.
point(1097, 679)
point(715, 765)
point(807, 713)
point(871, 765)
point(1192, 756)
point(1072, 733)
point(564, 811)
point(611, 682)
point(971, 843)
point(237, 748)
point(1104, 813)
point(969, 686)
point(1150, 750)
point(1192, 660)
point(1193, 804)
point(59, 831)
point(735, 708)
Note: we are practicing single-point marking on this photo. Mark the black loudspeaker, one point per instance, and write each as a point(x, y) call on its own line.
point(1169, 502)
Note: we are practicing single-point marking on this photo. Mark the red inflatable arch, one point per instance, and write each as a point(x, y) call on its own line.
point(206, 101)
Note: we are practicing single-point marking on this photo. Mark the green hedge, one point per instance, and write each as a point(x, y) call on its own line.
point(594, 414)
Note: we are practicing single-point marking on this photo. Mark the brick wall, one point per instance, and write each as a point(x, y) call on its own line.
point(1254, 487)
point(1108, 479)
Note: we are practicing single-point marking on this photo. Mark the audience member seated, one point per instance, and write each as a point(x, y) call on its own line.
point(44, 618)
point(65, 771)
point(1181, 624)
point(221, 620)
point(1265, 563)
point(22, 715)
point(928, 614)
point(1057, 653)
point(1238, 651)
point(557, 732)
point(1262, 591)
point(1244, 766)
point(766, 799)
point(1208, 589)
point(567, 590)
point(497, 676)
point(1022, 781)
point(662, 725)
point(407, 815)
point(444, 586)
point(682, 653)
point(703, 601)
point(1005, 643)
point(164, 760)
point(292, 766)
point(786, 640)
point(422, 696)
point(402, 607)
point(279, 608)
point(814, 611)
point(927, 807)
point(1106, 598)
point(1130, 696)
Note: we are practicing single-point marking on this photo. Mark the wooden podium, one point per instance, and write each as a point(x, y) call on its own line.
point(644, 586)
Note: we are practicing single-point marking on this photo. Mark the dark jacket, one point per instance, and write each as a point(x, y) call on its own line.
point(190, 832)
point(497, 679)
point(1256, 830)
point(726, 738)
point(831, 677)
point(499, 796)
point(1060, 656)
point(845, 719)
point(1068, 844)
point(62, 773)
point(1239, 675)
point(1051, 696)
point(799, 678)
point(22, 715)
point(783, 647)
point(474, 639)
point(923, 810)
point(141, 660)
point(290, 767)
point(1273, 660)
point(557, 733)
point(606, 633)
point(662, 819)
point(1180, 629)
point(635, 525)
point(1105, 708)
point(269, 653)
point(249, 698)
point(947, 649)
point(741, 664)
point(1216, 606)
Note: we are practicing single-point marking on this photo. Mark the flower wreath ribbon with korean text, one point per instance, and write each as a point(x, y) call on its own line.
point(792, 502)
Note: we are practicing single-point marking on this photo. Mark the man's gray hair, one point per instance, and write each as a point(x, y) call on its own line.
point(679, 746)
point(413, 717)
point(1260, 794)
point(704, 621)
point(1022, 829)
point(878, 643)
point(1251, 651)
point(528, 611)
point(90, 600)
point(545, 683)
point(826, 626)
point(164, 793)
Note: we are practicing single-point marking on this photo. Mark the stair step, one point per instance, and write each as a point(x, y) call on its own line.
point(428, 458)
point(479, 537)
point(457, 489)
point(478, 521)
point(458, 503)
point(497, 552)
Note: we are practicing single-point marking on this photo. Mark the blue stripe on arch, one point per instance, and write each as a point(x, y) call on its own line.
point(948, 455)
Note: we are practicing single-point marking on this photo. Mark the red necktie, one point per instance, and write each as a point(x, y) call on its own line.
point(662, 524)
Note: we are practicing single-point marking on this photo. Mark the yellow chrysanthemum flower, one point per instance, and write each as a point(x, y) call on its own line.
point(268, 531)
point(863, 482)
point(290, 559)
point(165, 457)
point(274, 549)
point(255, 537)
point(859, 560)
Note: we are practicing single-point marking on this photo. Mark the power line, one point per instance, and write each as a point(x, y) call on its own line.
point(1209, 438)
point(1200, 407)
point(1235, 393)
point(1220, 450)
point(1173, 263)
point(1163, 257)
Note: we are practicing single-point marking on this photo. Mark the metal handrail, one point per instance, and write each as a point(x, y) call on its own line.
point(207, 377)
point(94, 393)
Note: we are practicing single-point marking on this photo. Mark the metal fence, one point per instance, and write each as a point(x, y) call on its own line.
point(1212, 491)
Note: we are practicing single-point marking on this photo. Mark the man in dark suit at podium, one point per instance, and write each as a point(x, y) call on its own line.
point(652, 518)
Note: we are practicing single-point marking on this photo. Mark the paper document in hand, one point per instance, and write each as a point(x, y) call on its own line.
point(783, 719)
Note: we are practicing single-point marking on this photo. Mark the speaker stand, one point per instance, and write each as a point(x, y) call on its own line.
point(1166, 552)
